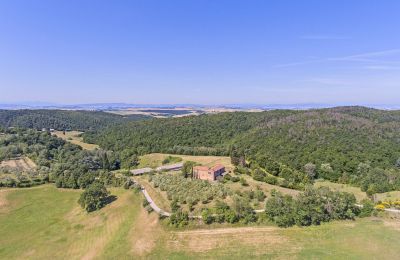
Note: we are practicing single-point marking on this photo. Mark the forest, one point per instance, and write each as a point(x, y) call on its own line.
point(355, 145)
point(57, 161)
point(63, 119)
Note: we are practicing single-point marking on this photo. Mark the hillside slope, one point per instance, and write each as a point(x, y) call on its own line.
point(348, 144)
point(62, 119)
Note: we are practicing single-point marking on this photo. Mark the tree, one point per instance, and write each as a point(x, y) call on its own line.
point(133, 160)
point(187, 169)
point(207, 216)
point(94, 197)
point(175, 206)
point(398, 163)
point(234, 154)
point(309, 168)
point(326, 170)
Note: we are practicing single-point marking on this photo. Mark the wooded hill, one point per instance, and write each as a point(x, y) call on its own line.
point(343, 142)
point(62, 119)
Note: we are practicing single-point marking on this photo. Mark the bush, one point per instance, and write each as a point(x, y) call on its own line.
point(207, 216)
point(367, 208)
point(179, 219)
point(243, 182)
point(258, 175)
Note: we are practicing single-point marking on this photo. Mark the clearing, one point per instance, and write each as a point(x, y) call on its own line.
point(360, 195)
point(154, 160)
point(75, 138)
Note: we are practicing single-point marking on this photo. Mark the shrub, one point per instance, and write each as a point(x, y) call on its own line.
point(207, 216)
point(179, 219)
point(367, 208)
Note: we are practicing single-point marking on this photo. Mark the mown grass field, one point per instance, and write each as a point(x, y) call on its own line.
point(154, 160)
point(75, 138)
point(47, 223)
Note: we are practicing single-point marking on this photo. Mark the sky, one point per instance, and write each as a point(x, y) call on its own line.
point(200, 52)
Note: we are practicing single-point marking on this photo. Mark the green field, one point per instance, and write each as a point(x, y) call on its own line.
point(45, 222)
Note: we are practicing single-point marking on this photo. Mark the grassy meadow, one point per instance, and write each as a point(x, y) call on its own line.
point(154, 160)
point(47, 223)
point(75, 138)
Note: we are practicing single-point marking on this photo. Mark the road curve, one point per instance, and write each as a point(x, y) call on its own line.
point(153, 205)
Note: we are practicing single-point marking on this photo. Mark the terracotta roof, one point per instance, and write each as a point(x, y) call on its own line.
point(217, 167)
point(205, 168)
point(201, 168)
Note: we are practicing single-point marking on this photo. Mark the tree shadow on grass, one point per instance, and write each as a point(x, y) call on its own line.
point(109, 200)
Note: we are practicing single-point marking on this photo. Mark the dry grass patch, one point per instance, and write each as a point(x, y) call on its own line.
point(145, 233)
point(360, 195)
point(392, 224)
point(391, 195)
point(23, 164)
point(75, 138)
point(105, 222)
point(3, 201)
point(155, 159)
point(263, 240)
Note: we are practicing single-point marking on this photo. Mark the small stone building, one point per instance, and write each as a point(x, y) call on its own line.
point(206, 173)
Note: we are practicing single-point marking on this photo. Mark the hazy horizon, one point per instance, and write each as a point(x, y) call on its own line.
point(207, 52)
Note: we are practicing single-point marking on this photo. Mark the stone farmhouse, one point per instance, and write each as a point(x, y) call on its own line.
point(206, 173)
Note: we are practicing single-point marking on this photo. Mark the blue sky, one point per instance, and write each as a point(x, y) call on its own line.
point(204, 52)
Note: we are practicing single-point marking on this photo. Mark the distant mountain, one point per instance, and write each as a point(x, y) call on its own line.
point(122, 106)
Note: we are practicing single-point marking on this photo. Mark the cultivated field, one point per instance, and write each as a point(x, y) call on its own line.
point(22, 164)
point(75, 138)
point(177, 111)
point(47, 223)
point(155, 159)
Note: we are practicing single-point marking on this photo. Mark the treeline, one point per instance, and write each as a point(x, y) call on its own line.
point(312, 207)
point(62, 119)
point(60, 162)
point(333, 144)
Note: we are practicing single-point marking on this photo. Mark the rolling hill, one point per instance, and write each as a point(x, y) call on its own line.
point(62, 119)
point(340, 139)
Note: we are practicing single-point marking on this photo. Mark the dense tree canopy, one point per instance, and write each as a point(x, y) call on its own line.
point(62, 119)
point(295, 145)
point(312, 207)
point(58, 161)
